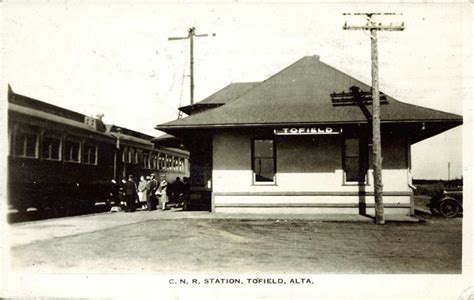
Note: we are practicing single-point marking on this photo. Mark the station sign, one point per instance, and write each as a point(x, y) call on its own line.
point(323, 130)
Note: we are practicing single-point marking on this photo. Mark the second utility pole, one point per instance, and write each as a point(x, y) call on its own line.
point(191, 35)
point(376, 136)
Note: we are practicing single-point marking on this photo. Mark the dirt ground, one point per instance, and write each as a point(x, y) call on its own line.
point(223, 246)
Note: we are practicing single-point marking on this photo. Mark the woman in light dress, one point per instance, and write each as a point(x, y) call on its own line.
point(161, 192)
point(142, 191)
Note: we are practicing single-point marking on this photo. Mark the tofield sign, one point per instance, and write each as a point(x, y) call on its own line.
point(307, 130)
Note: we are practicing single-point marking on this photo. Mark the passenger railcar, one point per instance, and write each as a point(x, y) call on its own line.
point(63, 160)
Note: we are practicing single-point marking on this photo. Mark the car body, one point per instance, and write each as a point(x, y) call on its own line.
point(448, 203)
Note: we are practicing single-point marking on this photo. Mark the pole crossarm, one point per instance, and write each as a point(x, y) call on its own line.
point(372, 14)
point(177, 38)
point(374, 27)
point(349, 98)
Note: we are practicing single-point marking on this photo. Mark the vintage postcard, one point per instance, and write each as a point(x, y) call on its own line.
point(221, 149)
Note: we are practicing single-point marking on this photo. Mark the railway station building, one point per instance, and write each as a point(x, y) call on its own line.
point(300, 142)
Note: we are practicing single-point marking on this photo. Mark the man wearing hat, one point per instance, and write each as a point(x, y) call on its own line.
point(131, 193)
point(152, 185)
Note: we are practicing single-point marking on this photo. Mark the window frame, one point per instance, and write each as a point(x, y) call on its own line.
point(161, 161)
point(361, 141)
point(53, 136)
point(138, 155)
point(274, 159)
point(124, 154)
point(130, 155)
point(75, 140)
point(96, 153)
point(154, 161)
point(146, 160)
point(23, 132)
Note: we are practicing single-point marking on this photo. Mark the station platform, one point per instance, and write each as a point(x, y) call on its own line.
point(28, 232)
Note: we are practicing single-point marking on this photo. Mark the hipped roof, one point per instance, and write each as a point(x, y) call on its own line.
point(221, 97)
point(298, 95)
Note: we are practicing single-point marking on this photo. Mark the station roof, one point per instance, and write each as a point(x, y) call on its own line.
point(221, 97)
point(300, 95)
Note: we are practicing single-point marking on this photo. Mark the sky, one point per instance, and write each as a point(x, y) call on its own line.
point(115, 59)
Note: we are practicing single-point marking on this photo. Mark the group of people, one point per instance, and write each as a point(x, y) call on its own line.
point(149, 193)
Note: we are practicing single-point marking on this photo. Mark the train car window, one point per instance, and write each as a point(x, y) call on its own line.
point(130, 155)
point(137, 156)
point(168, 162)
point(26, 143)
point(162, 161)
point(154, 161)
point(90, 154)
point(124, 154)
point(146, 160)
point(175, 164)
point(71, 151)
point(51, 148)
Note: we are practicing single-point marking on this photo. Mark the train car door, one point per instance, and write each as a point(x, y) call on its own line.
point(201, 175)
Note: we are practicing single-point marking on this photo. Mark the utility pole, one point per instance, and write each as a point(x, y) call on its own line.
point(191, 35)
point(373, 27)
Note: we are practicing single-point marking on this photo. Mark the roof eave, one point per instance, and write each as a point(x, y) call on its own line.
point(237, 125)
point(198, 106)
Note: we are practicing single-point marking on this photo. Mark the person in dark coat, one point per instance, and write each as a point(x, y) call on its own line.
point(131, 193)
point(152, 185)
point(186, 192)
point(121, 194)
point(114, 192)
point(178, 188)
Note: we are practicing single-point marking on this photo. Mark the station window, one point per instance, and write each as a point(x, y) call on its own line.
point(90, 154)
point(71, 150)
point(355, 163)
point(26, 143)
point(51, 148)
point(263, 160)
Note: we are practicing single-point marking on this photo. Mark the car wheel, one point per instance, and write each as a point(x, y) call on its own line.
point(449, 208)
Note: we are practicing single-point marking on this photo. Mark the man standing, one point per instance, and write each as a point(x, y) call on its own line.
point(178, 192)
point(130, 193)
point(152, 185)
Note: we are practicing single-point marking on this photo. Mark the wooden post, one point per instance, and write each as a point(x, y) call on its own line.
point(191, 59)
point(376, 135)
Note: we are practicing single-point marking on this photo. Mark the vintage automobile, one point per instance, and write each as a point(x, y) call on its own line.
point(448, 203)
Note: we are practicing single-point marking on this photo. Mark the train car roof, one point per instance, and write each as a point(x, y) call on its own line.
point(38, 109)
point(129, 135)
